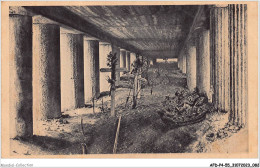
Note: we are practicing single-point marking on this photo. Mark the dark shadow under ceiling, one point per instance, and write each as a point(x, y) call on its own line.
point(154, 31)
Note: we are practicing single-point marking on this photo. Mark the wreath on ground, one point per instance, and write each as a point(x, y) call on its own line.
point(184, 108)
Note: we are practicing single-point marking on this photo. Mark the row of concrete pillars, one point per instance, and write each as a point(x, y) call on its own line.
point(53, 69)
point(215, 60)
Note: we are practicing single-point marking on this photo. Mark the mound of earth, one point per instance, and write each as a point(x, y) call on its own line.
point(184, 108)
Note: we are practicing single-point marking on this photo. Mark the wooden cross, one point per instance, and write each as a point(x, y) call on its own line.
point(110, 70)
point(113, 87)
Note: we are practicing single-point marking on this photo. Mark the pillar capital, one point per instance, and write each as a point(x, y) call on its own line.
point(66, 30)
point(86, 38)
point(19, 10)
point(104, 43)
point(204, 19)
point(39, 19)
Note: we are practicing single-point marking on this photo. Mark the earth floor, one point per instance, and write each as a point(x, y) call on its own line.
point(141, 130)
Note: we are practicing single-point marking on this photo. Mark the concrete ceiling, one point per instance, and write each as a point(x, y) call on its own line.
point(157, 31)
point(154, 31)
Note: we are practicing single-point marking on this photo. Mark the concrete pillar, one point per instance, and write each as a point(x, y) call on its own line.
point(104, 50)
point(72, 74)
point(139, 76)
point(181, 61)
point(141, 58)
point(239, 64)
point(220, 54)
point(145, 62)
point(46, 71)
point(20, 73)
point(91, 69)
point(178, 62)
point(150, 62)
point(116, 50)
point(154, 61)
point(184, 59)
point(203, 62)
point(132, 59)
point(191, 66)
point(128, 60)
point(122, 59)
